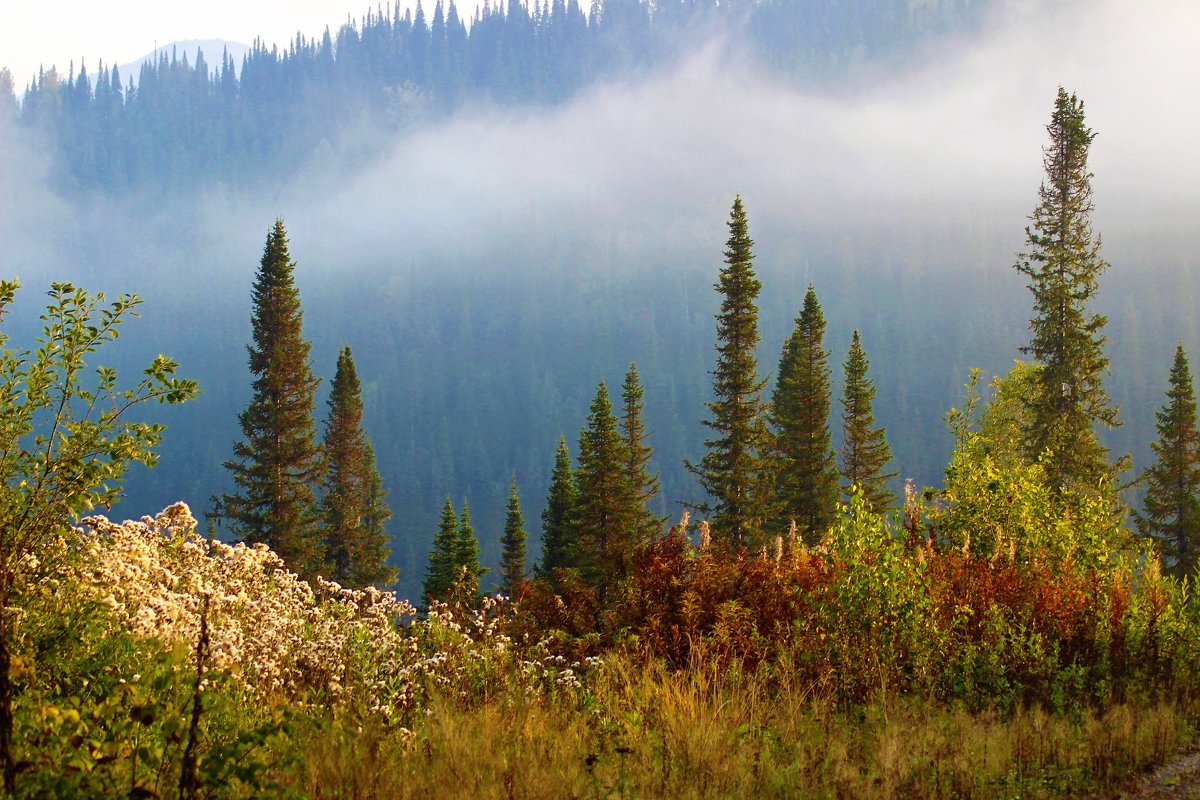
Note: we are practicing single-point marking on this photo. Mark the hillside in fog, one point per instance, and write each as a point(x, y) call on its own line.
point(495, 213)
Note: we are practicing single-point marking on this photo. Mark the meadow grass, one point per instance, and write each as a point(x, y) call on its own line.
point(646, 732)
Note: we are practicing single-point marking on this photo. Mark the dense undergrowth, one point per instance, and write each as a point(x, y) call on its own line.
point(896, 657)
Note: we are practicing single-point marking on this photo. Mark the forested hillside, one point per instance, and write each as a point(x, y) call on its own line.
point(189, 123)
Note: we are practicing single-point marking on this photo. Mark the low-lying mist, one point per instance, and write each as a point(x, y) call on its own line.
point(488, 270)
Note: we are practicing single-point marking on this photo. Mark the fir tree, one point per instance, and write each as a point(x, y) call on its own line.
point(559, 546)
point(734, 470)
point(512, 559)
point(440, 574)
point(865, 450)
point(8, 99)
point(376, 513)
point(467, 571)
point(633, 429)
point(1172, 503)
point(1063, 265)
point(356, 552)
point(605, 502)
point(278, 463)
point(806, 474)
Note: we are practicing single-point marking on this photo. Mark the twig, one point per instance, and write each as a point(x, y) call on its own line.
point(189, 781)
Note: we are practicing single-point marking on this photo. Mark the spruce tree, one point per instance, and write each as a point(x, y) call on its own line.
point(467, 571)
point(605, 501)
point(559, 546)
point(376, 513)
point(278, 464)
point(1063, 264)
point(1172, 504)
point(512, 558)
point(357, 554)
point(8, 99)
point(865, 450)
point(734, 471)
point(806, 473)
point(633, 429)
point(343, 491)
point(440, 574)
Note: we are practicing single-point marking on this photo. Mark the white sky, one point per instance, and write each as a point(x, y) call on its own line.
point(121, 31)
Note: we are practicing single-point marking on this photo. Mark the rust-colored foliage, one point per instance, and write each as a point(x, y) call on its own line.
point(745, 606)
point(892, 613)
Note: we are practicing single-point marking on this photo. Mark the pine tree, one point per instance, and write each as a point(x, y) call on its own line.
point(512, 559)
point(559, 545)
point(605, 501)
point(375, 537)
point(633, 430)
point(1063, 265)
point(806, 474)
point(345, 453)
point(8, 99)
point(1172, 503)
point(356, 553)
point(466, 569)
point(439, 575)
point(865, 450)
point(278, 463)
point(734, 470)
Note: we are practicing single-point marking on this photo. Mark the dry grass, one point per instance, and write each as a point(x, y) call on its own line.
point(647, 732)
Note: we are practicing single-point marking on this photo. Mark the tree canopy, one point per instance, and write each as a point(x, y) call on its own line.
point(1063, 264)
point(1171, 508)
point(278, 462)
point(353, 504)
point(734, 470)
point(865, 451)
point(806, 474)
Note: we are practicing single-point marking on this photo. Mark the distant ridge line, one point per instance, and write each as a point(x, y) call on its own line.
point(212, 49)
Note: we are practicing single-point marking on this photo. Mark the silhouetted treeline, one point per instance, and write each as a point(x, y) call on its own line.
point(185, 121)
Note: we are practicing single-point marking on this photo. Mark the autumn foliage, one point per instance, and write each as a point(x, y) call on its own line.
point(903, 605)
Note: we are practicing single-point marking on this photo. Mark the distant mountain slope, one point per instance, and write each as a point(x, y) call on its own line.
point(212, 49)
point(265, 111)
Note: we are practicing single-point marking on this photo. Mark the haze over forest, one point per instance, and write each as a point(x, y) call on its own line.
point(490, 258)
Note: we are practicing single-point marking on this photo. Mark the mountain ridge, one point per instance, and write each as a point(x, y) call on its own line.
point(187, 48)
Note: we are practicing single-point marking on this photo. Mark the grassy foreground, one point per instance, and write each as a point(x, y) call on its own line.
point(151, 662)
point(649, 733)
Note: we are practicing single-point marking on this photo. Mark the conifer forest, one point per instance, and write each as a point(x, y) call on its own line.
point(673, 399)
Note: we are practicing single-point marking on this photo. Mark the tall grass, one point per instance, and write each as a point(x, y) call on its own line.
point(649, 732)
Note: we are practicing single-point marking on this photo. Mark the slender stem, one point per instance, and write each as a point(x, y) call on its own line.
point(188, 779)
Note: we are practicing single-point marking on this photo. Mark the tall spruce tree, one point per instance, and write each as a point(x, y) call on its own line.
point(559, 544)
point(605, 499)
point(734, 472)
point(806, 474)
point(356, 551)
point(1063, 264)
point(278, 464)
point(467, 570)
point(376, 513)
point(633, 429)
point(865, 450)
point(443, 558)
point(512, 543)
point(1172, 504)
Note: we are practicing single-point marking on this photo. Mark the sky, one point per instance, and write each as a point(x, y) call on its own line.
point(118, 32)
